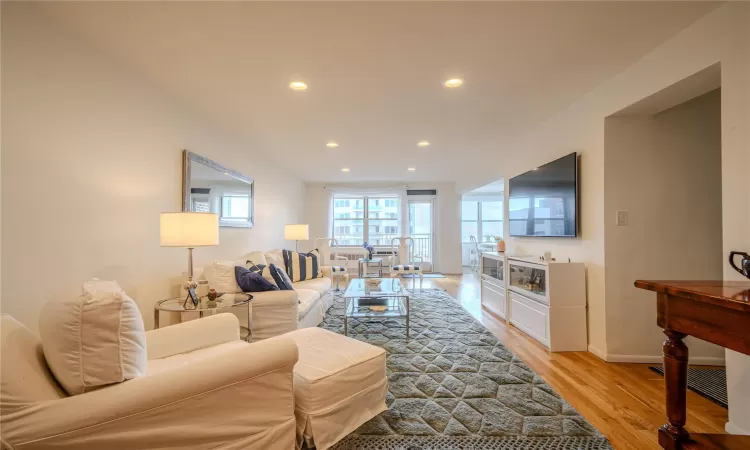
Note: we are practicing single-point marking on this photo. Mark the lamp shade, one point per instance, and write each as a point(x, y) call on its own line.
point(297, 232)
point(188, 229)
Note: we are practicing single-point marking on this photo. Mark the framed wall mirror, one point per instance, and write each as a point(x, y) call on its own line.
point(207, 186)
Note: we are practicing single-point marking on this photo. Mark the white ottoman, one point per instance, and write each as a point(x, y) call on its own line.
point(339, 384)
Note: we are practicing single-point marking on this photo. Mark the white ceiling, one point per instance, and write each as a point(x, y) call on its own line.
point(496, 187)
point(375, 72)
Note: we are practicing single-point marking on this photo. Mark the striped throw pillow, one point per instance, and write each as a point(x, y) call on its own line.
point(302, 266)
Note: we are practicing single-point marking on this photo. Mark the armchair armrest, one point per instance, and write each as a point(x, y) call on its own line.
point(192, 335)
point(274, 313)
point(230, 400)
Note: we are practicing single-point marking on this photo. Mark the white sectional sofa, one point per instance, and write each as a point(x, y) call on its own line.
point(276, 312)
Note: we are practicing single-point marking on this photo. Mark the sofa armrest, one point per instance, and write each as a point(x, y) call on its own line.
point(227, 399)
point(274, 313)
point(192, 335)
point(326, 271)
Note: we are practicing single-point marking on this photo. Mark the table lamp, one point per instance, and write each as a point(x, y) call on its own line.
point(296, 233)
point(189, 230)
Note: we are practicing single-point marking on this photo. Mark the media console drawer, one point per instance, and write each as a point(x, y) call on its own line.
point(531, 317)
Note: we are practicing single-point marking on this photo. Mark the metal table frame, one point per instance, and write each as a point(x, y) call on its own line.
point(365, 262)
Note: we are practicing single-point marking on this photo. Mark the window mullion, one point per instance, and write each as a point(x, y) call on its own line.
point(366, 222)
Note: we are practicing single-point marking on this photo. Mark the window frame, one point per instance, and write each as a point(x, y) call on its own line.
point(378, 207)
point(479, 221)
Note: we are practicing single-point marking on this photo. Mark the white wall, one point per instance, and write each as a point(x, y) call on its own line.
point(665, 171)
point(722, 36)
point(91, 156)
point(447, 226)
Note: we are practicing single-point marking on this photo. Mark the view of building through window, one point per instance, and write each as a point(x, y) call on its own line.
point(366, 219)
point(481, 219)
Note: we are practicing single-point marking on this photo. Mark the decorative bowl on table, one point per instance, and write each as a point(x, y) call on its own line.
point(372, 282)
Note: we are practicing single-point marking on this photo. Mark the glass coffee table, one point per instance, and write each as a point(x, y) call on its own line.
point(375, 298)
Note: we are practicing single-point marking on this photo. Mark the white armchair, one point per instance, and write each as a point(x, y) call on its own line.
point(204, 389)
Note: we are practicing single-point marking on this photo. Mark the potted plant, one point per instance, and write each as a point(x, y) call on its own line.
point(369, 249)
point(500, 243)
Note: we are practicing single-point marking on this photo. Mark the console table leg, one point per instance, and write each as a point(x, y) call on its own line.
point(673, 434)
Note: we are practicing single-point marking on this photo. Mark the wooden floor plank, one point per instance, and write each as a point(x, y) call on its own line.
point(624, 401)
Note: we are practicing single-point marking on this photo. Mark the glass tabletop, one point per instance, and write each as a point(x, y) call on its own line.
point(371, 260)
point(375, 287)
point(223, 302)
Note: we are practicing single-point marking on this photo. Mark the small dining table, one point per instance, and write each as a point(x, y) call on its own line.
point(715, 311)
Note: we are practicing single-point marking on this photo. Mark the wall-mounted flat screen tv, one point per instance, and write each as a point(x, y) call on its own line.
point(544, 201)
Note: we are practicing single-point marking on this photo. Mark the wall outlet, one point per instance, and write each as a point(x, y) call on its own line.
point(622, 219)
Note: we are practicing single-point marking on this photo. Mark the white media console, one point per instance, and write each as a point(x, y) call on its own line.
point(544, 299)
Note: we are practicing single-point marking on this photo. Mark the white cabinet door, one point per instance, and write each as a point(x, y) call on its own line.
point(493, 298)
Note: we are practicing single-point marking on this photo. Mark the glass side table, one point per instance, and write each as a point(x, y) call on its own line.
point(365, 263)
point(224, 302)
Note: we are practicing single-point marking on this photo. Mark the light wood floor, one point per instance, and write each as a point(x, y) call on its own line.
point(624, 401)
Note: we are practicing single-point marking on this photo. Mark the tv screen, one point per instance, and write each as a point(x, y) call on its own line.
point(544, 201)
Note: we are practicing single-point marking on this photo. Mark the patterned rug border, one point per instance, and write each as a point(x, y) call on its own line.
point(402, 442)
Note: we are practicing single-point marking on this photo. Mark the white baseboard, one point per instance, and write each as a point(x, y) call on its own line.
point(734, 429)
point(658, 359)
point(597, 352)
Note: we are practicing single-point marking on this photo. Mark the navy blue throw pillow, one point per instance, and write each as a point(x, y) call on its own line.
point(252, 281)
point(281, 278)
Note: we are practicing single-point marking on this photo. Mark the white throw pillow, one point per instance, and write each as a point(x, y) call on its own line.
point(220, 276)
point(93, 340)
point(275, 257)
point(257, 258)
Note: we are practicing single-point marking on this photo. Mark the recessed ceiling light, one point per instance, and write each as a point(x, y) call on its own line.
point(332, 144)
point(345, 169)
point(423, 143)
point(412, 169)
point(454, 82)
point(298, 85)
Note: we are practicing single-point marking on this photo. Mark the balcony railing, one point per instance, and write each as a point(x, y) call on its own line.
point(350, 246)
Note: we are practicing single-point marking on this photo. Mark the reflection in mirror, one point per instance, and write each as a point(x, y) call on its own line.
point(210, 187)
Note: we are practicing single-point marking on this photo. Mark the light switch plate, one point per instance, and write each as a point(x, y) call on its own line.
point(622, 219)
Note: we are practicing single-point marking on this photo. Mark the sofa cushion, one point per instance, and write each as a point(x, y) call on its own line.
point(263, 270)
point(93, 340)
point(221, 276)
point(302, 266)
point(322, 285)
point(307, 299)
point(253, 281)
point(257, 258)
point(275, 257)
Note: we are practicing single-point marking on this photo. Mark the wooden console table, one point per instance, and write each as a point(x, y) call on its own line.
point(715, 311)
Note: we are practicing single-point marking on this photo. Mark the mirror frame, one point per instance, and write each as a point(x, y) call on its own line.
point(188, 158)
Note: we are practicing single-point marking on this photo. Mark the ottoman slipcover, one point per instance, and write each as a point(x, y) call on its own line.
point(339, 384)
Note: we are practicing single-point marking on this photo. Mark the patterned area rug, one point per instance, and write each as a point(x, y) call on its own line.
point(453, 386)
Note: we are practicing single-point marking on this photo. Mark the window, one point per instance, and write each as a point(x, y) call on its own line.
point(371, 219)
point(235, 207)
point(481, 218)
